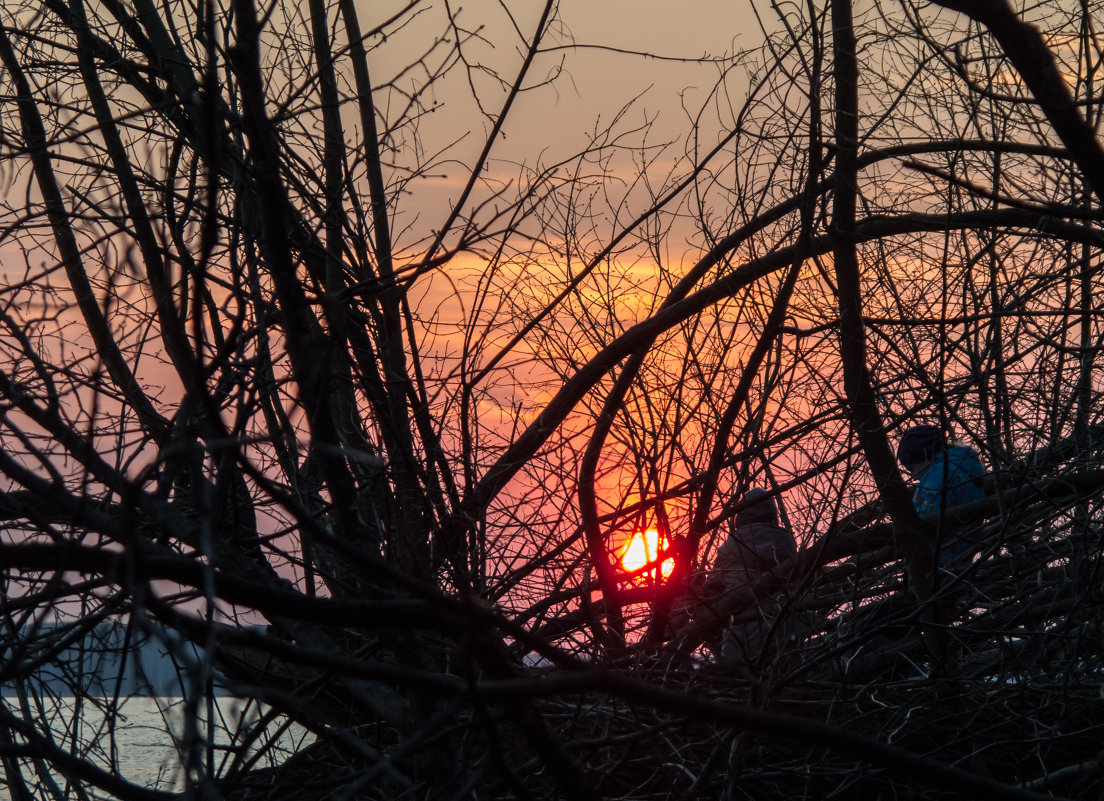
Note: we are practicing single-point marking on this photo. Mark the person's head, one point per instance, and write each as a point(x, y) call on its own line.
point(919, 445)
point(757, 507)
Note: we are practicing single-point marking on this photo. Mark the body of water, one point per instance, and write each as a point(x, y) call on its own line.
point(141, 739)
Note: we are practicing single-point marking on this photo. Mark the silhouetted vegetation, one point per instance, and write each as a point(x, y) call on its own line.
point(312, 380)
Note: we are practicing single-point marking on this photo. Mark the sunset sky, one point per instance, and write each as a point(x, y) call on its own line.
point(554, 121)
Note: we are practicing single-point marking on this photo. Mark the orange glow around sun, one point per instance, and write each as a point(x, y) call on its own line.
point(643, 547)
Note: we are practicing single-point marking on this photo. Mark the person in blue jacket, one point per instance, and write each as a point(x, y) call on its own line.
point(946, 476)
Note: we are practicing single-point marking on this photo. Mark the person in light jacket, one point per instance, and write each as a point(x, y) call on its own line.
point(757, 543)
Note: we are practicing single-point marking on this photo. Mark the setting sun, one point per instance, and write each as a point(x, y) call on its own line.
point(643, 547)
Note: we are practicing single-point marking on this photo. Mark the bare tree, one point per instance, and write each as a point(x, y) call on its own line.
point(324, 394)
